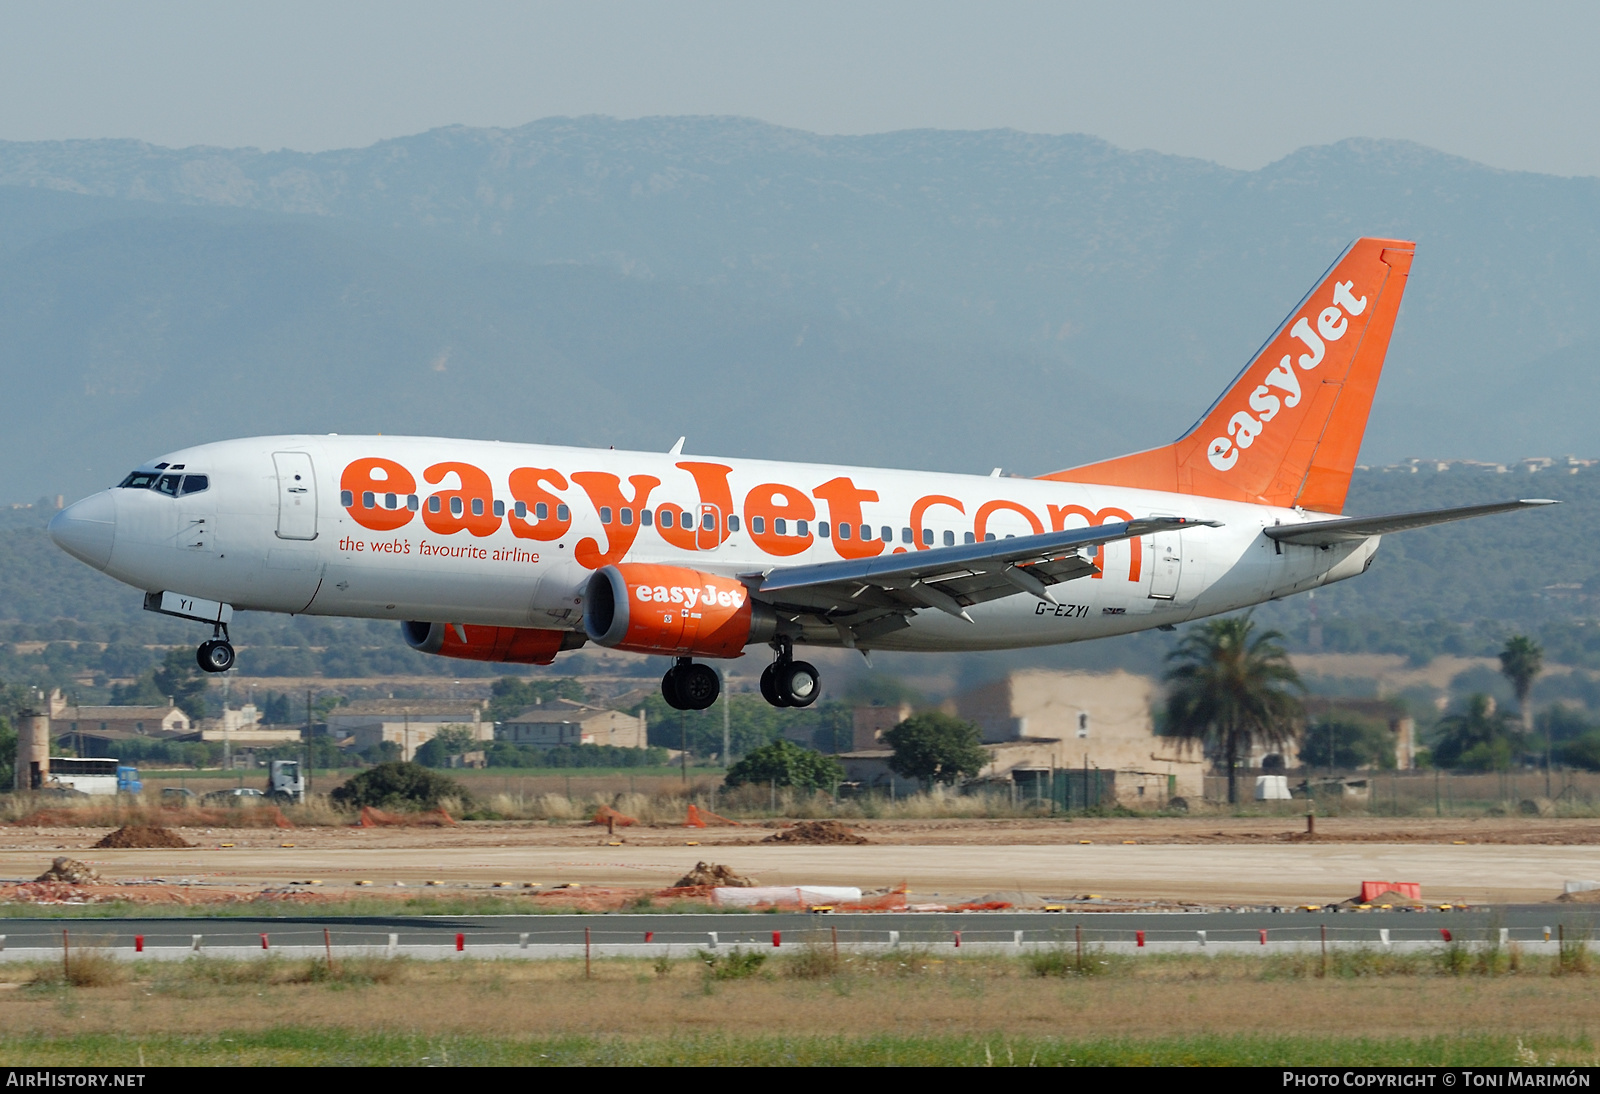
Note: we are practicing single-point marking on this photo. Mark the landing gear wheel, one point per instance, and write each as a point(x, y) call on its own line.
point(215, 655)
point(769, 686)
point(687, 686)
point(698, 686)
point(797, 683)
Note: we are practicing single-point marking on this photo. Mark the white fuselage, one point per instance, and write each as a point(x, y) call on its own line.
point(258, 539)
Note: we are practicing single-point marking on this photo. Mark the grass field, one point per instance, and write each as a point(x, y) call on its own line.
point(1458, 1007)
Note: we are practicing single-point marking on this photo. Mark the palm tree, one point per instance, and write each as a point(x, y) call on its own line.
point(1521, 662)
point(1233, 688)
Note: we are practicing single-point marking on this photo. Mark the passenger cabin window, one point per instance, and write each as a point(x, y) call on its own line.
point(193, 484)
point(433, 504)
point(733, 523)
point(368, 500)
point(412, 502)
point(391, 501)
point(758, 525)
point(905, 536)
point(563, 513)
point(823, 529)
point(605, 514)
point(949, 538)
point(844, 530)
point(499, 508)
point(347, 498)
point(627, 517)
point(967, 537)
point(927, 537)
point(477, 507)
point(541, 511)
point(456, 508)
point(888, 533)
point(800, 528)
point(708, 521)
point(866, 532)
point(780, 527)
point(686, 520)
point(666, 518)
point(521, 509)
point(647, 517)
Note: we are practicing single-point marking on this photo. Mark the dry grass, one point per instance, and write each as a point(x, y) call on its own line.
point(809, 993)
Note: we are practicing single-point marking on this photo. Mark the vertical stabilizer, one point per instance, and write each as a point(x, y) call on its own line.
point(1288, 429)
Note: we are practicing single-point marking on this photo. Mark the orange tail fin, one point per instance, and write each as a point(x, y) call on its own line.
point(1288, 429)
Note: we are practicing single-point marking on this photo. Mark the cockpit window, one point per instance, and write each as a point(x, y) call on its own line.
point(193, 484)
point(168, 484)
point(139, 480)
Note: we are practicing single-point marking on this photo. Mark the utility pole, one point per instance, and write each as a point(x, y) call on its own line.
point(727, 736)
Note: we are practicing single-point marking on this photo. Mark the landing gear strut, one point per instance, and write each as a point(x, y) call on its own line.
point(688, 686)
point(787, 682)
point(216, 654)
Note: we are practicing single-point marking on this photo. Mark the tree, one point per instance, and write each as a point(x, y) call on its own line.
point(936, 747)
point(786, 764)
point(1346, 741)
point(399, 786)
point(510, 695)
point(1521, 662)
point(449, 741)
point(1233, 689)
point(1480, 739)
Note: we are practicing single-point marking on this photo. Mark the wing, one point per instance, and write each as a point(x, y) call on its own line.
point(1326, 533)
point(868, 597)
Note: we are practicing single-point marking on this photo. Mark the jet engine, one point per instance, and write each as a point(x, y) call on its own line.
point(648, 608)
point(518, 645)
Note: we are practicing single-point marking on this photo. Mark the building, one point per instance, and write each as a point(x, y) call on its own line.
point(565, 722)
point(409, 723)
point(1080, 738)
point(1387, 712)
point(1097, 725)
point(96, 731)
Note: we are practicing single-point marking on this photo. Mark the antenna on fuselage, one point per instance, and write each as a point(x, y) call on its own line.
point(677, 449)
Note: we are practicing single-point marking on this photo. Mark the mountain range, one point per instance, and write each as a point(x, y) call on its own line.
point(939, 299)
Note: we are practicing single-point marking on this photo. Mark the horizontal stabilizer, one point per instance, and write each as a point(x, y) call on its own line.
point(1326, 533)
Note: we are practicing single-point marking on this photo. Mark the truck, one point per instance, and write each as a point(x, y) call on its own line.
point(93, 776)
point(284, 781)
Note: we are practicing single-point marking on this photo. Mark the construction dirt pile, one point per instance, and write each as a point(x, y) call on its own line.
point(821, 832)
point(69, 870)
point(714, 874)
point(143, 835)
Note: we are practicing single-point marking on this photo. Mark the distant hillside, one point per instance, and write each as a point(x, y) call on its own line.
point(943, 299)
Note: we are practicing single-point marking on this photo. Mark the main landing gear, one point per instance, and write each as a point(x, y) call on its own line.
point(787, 682)
point(216, 654)
point(688, 686)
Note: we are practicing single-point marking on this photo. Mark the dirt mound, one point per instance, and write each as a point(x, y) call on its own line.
point(143, 835)
point(815, 832)
point(714, 874)
point(69, 870)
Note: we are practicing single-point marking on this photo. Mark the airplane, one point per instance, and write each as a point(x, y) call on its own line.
point(513, 553)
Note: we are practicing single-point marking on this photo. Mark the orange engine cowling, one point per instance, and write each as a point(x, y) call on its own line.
point(517, 645)
point(673, 610)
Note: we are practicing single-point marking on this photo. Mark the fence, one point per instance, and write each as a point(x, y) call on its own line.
point(1561, 792)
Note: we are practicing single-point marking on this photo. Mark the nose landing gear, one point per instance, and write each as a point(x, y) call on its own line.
point(216, 653)
point(688, 686)
point(790, 683)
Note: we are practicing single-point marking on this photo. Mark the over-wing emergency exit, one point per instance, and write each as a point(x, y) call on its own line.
point(516, 552)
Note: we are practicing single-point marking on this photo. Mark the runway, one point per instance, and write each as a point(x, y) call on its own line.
point(1279, 874)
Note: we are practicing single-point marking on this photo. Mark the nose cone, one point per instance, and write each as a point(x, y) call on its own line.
point(87, 529)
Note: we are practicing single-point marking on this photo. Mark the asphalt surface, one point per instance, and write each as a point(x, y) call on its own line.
point(1523, 923)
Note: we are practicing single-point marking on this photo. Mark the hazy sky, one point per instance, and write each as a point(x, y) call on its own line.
point(1511, 85)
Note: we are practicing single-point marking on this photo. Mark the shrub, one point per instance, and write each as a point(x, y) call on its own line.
point(399, 786)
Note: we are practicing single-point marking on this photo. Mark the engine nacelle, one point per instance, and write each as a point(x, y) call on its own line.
point(515, 645)
point(673, 610)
